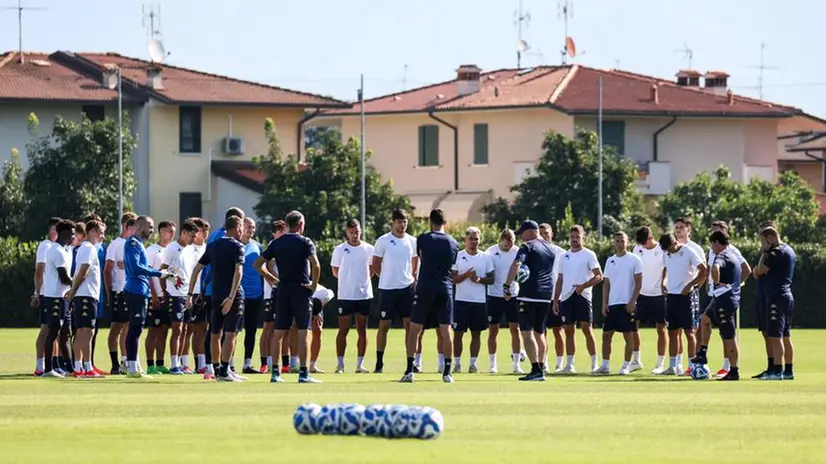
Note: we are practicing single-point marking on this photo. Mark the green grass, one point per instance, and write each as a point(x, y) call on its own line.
point(487, 418)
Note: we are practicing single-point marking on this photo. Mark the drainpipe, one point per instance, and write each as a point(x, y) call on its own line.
point(300, 132)
point(455, 149)
point(657, 134)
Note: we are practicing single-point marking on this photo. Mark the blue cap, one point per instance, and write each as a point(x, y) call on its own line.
point(527, 225)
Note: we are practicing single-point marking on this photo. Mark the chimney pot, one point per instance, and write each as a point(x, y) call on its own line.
point(154, 78)
point(717, 82)
point(655, 94)
point(730, 97)
point(110, 76)
point(468, 79)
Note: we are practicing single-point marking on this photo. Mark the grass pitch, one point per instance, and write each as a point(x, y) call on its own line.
point(488, 418)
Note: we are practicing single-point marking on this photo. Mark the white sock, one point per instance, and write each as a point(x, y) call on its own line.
point(210, 369)
point(341, 362)
point(269, 363)
point(441, 362)
point(570, 360)
point(473, 361)
point(184, 360)
point(660, 361)
point(493, 360)
point(247, 362)
point(417, 360)
point(40, 364)
point(174, 361)
point(635, 357)
point(726, 364)
point(293, 361)
point(202, 360)
point(594, 360)
point(457, 362)
point(606, 363)
point(626, 364)
point(78, 366)
point(672, 361)
point(132, 366)
point(680, 359)
point(559, 361)
point(123, 360)
point(360, 361)
point(87, 366)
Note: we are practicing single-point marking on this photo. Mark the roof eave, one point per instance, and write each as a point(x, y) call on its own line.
point(444, 110)
point(251, 103)
point(685, 114)
point(234, 177)
point(74, 101)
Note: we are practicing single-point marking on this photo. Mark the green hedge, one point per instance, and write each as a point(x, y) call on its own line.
point(17, 267)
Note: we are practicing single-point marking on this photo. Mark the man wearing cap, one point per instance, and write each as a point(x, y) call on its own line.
point(535, 295)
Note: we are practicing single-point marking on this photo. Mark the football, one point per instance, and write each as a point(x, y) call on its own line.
point(350, 417)
point(329, 419)
point(431, 424)
point(523, 274)
point(700, 372)
point(305, 417)
point(370, 420)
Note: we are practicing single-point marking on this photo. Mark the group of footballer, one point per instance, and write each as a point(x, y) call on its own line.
point(207, 287)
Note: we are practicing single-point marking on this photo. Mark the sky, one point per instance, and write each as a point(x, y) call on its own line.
point(323, 46)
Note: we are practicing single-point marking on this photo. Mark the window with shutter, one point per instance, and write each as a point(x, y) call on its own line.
point(480, 144)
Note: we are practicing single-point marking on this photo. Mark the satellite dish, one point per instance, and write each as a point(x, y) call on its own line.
point(156, 51)
point(522, 46)
point(570, 47)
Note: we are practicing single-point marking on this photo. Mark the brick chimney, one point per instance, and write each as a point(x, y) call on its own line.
point(154, 77)
point(716, 82)
point(688, 78)
point(730, 98)
point(467, 79)
point(655, 94)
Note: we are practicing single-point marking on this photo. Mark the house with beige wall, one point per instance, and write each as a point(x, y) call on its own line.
point(195, 130)
point(460, 143)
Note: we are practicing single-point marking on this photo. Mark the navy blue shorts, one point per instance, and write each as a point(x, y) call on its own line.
point(780, 315)
point(575, 309)
point(723, 318)
point(138, 306)
point(229, 322)
point(433, 310)
point(498, 306)
point(694, 296)
point(44, 312)
point(618, 320)
point(85, 309)
point(158, 317)
point(252, 310)
point(293, 304)
point(269, 305)
point(680, 313)
point(349, 307)
point(396, 303)
point(176, 310)
point(651, 310)
point(57, 310)
point(120, 312)
point(533, 316)
point(470, 316)
point(198, 312)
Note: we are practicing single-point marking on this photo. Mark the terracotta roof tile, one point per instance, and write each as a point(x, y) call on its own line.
point(40, 78)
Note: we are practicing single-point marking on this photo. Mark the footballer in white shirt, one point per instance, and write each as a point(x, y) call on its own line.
point(396, 263)
point(502, 256)
point(578, 272)
point(685, 269)
point(114, 279)
point(554, 321)
point(180, 260)
point(195, 329)
point(350, 264)
point(267, 340)
point(37, 300)
point(158, 312)
point(651, 302)
point(84, 296)
point(622, 283)
point(682, 230)
point(57, 282)
point(471, 272)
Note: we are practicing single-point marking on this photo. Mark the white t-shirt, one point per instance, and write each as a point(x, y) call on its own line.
point(56, 257)
point(653, 263)
point(695, 247)
point(396, 265)
point(620, 271)
point(154, 256)
point(197, 251)
point(712, 256)
point(114, 252)
point(576, 269)
point(681, 268)
point(42, 248)
point(468, 290)
point(502, 262)
point(353, 263)
point(323, 294)
point(558, 253)
point(88, 254)
point(180, 260)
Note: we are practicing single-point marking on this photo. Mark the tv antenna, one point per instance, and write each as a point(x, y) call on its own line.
point(152, 20)
point(762, 67)
point(404, 79)
point(688, 54)
point(565, 10)
point(20, 9)
point(522, 46)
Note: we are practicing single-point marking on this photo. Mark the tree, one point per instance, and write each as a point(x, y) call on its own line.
point(567, 176)
point(12, 199)
point(73, 171)
point(706, 198)
point(327, 189)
